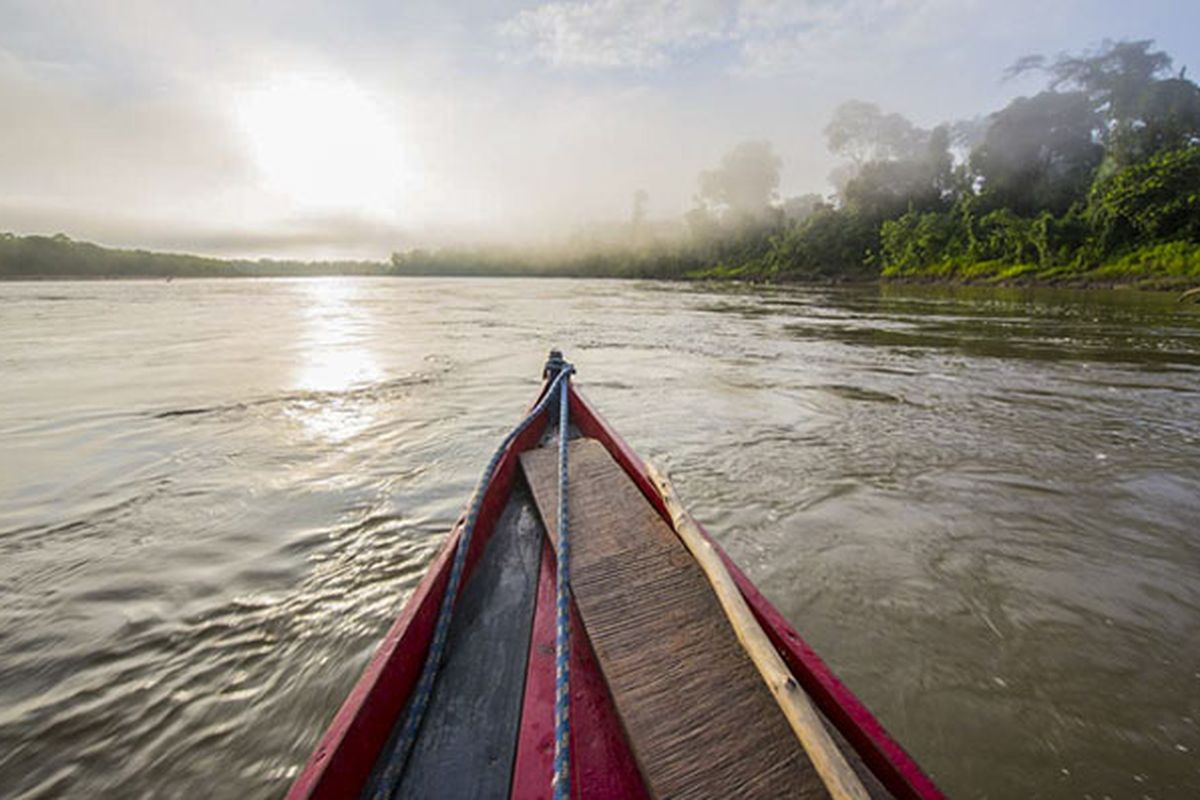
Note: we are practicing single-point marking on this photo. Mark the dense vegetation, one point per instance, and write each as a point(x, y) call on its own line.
point(1096, 178)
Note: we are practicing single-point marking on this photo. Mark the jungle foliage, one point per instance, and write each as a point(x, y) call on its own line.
point(1096, 177)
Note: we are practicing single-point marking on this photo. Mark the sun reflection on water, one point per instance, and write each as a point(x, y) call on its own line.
point(334, 360)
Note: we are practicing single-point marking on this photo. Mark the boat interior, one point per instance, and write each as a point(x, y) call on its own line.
point(664, 699)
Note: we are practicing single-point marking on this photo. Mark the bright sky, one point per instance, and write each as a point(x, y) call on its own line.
point(316, 129)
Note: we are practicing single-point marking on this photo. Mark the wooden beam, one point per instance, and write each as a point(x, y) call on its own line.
point(829, 762)
point(697, 716)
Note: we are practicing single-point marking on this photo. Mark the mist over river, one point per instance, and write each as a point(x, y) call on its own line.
point(981, 506)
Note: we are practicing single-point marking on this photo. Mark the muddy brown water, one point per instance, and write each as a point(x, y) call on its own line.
point(981, 506)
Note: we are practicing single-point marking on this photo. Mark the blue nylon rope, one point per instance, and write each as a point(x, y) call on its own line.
point(415, 712)
point(562, 626)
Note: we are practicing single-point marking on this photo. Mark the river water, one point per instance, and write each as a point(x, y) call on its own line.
point(981, 506)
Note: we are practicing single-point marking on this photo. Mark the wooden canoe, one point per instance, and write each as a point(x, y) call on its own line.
point(664, 701)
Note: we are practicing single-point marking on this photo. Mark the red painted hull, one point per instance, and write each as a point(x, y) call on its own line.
point(601, 762)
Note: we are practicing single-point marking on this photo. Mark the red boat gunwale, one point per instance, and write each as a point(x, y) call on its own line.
point(602, 766)
point(346, 753)
point(343, 759)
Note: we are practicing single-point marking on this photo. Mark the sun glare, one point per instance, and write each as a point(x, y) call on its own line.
point(323, 143)
point(334, 360)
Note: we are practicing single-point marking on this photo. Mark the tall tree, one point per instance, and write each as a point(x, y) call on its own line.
point(872, 143)
point(1169, 119)
point(860, 132)
point(1039, 153)
point(1140, 107)
point(745, 183)
point(923, 181)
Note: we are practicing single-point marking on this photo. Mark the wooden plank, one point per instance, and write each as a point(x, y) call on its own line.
point(602, 766)
point(468, 739)
point(698, 717)
point(342, 763)
point(841, 781)
point(878, 758)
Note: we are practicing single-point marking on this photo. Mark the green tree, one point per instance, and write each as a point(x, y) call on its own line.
point(1039, 153)
point(861, 132)
point(1169, 119)
point(831, 242)
point(1155, 201)
point(1141, 108)
point(926, 181)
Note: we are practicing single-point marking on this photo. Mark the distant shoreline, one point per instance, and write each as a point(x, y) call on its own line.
point(1147, 284)
point(1173, 267)
point(173, 278)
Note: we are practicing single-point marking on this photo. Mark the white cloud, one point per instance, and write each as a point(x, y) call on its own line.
point(67, 141)
point(834, 38)
point(768, 37)
point(617, 33)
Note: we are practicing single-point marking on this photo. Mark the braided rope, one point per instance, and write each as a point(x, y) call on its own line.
point(415, 712)
point(562, 627)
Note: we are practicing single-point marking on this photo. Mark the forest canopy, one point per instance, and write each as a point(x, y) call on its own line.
point(1095, 177)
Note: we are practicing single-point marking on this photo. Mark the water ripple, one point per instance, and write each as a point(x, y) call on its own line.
point(979, 506)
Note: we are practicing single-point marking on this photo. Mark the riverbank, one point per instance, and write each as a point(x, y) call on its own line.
point(1164, 267)
point(1085, 281)
point(1174, 266)
point(1031, 280)
point(1169, 267)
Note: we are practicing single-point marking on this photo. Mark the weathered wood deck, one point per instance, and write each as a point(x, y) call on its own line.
point(469, 735)
point(699, 720)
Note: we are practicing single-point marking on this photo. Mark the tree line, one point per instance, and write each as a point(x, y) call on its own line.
point(59, 256)
point(1096, 177)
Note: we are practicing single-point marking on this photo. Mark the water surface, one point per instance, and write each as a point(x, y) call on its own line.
point(981, 506)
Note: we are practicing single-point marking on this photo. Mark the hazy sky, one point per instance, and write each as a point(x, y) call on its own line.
point(310, 129)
